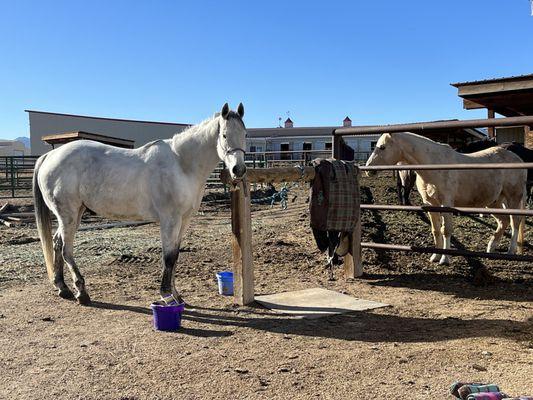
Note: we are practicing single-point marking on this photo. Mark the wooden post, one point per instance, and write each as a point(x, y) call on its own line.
point(491, 130)
point(241, 225)
point(353, 262)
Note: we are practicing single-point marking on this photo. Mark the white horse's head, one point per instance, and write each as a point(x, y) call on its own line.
point(385, 153)
point(231, 144)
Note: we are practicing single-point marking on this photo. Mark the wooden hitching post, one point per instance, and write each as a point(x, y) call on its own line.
point(241, 225)
point(353, 263)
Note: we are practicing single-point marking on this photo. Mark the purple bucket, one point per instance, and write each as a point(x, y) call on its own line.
point(167, 317)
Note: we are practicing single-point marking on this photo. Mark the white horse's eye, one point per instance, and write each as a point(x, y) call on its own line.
point(382, 147)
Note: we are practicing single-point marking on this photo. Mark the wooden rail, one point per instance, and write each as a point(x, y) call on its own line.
point(451, 252)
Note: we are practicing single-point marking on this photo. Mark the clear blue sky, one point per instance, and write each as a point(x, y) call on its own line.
point(377, 61)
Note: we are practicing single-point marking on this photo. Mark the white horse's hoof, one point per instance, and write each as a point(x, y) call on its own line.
point(434, 258)
point(444, 261)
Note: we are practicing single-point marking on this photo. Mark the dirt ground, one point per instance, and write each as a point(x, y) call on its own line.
point(440, 327)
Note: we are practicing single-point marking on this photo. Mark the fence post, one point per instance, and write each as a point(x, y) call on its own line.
point(353, 263)
point(241, 224)
point(12, 167)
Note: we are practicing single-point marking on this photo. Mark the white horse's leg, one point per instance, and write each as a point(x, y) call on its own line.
point(503, 223)
point(59, 280)
point(68, 225)
point(447, 231)
point(171, 227)
point(435, 219)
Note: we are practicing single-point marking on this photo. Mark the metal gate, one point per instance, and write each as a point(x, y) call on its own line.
point(16, 174)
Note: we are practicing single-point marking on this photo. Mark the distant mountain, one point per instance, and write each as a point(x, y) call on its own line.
point(25, 140)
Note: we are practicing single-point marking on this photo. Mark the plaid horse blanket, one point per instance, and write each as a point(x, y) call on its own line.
point(334, 196)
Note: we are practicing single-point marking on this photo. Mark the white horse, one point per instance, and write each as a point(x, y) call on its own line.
point(162, 181)
point(495, 188)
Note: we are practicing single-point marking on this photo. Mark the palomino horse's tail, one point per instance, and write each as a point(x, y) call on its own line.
point(43, 217)
point(522, 224)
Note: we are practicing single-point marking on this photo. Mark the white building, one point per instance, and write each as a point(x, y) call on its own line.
point(281, 143)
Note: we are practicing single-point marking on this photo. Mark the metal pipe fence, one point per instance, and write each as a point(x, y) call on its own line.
point(16, 173)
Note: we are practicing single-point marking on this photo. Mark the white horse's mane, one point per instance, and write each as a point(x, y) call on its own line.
point(199, 128)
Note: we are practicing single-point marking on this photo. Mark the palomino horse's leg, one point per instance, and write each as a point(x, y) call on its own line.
point(515, 227)
point(503, 223)
point(447, 230)
point(436, 222)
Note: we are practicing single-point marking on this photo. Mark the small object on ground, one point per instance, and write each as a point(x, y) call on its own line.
point(241, 370)
point(4, 207)
point(167, 315)
point(225, 283)
point(478, 367)
point(487, 396)
point(467, 390)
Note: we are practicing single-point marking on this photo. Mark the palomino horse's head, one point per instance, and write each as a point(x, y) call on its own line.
point(231, 144)
point(385, 153)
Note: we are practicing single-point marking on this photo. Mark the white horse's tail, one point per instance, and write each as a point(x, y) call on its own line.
point(43, 217)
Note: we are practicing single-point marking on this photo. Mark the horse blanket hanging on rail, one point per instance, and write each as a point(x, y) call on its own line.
point(333, 205)
point(334, 195)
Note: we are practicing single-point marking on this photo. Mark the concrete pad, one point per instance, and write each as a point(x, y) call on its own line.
point(315, 303)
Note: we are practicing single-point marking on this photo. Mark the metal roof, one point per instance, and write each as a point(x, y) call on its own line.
point(105, 118)
point(493, 80)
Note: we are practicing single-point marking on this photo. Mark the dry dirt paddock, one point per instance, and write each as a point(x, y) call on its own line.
point(439, 328)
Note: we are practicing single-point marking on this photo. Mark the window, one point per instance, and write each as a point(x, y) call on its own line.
point(373, 145)
point(259, 149)
point(284, 147)
point(252, 149)
point(307, 146)
point(327, 146)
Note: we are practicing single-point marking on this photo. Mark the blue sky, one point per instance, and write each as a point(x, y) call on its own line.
point(377, 61)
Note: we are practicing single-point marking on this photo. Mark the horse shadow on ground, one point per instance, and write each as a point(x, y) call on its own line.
point(355, 326)
point(457, 285)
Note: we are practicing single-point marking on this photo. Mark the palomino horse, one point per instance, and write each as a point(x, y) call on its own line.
point(162, 181)
point(520, 150)
point(496, 188)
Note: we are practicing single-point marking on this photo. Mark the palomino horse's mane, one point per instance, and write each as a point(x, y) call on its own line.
point(426, 139)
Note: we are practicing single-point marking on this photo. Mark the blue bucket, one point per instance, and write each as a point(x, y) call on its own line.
point(225, 283)
point(167, 317)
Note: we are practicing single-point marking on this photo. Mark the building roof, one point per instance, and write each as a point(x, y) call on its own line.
point(494, 80)
point(346, 119)
point(66, 137)
point(106, 118)
point(511, 96)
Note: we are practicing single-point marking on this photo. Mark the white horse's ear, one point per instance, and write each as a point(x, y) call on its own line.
point(225, 111)
point(240, 110)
